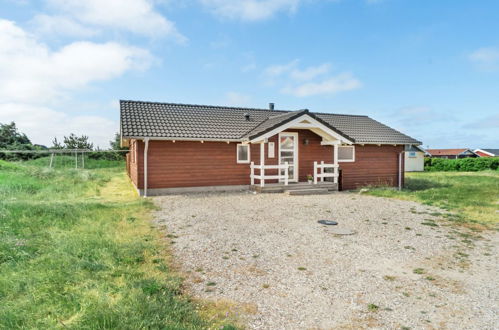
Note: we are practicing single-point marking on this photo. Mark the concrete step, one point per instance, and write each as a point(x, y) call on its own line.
point(315, 191)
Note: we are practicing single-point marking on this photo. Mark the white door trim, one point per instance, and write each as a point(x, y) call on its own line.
point(296, 175)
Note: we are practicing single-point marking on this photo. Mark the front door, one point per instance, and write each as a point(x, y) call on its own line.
point(288, 152)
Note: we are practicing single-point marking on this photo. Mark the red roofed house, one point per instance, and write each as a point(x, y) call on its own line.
point(487, 152)
point(451, 153)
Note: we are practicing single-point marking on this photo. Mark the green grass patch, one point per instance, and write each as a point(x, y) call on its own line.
point(471, 196)
point(77, 251)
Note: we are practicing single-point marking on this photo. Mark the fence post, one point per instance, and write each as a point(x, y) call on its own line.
point(286, 173)
point(315, 172)
point(252, 175)
point(322, 171)
point(76, 159)
point(51, 159)
point(82, 159)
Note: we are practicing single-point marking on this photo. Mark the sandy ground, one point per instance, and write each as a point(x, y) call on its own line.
point(403, 268)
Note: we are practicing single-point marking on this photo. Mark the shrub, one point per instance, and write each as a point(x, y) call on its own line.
point(462, 164)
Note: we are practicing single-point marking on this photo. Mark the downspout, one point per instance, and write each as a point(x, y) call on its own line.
point(146, 149)
point(400, 169)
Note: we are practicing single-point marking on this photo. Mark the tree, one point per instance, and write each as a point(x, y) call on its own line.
point(116, 143)
point(56, 144)
point(11, 138)
point(77, 142)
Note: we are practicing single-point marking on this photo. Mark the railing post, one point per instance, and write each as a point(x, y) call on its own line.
point(315, 172)
point(262, 164)
point(286, 173)
point(322, 171)
point(252, 175)
point(335, 179)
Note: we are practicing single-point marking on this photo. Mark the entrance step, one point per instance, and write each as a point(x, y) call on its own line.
point(315, 191)
point(279, 188)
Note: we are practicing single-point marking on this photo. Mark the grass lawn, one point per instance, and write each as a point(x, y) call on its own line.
point(472, 196)
point(77, 251)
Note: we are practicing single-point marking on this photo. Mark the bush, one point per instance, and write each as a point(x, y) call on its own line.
point(462, 164)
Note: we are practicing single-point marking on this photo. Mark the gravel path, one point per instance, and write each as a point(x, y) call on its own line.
point(267, 252)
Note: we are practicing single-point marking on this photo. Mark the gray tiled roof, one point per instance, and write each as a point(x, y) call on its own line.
point(172, 120)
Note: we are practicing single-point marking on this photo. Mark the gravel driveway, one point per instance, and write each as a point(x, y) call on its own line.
point(267, 255)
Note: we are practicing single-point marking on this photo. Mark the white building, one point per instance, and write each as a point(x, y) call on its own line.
point(414, 159)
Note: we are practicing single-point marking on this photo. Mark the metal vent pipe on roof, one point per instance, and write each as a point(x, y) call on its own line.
point(247, 116)
point(271, 106)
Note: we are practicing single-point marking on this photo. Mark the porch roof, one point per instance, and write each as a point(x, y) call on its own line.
point(197, 122)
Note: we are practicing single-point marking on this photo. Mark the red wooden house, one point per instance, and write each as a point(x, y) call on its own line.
point(183, 148)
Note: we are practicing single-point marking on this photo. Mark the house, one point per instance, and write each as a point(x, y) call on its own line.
point(487, 152)
point(183, 148)
point(414, 158)
point(450, 153)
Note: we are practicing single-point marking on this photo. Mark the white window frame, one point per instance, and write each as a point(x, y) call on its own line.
point(271, 150)
point(346, 160)
point(239, 161)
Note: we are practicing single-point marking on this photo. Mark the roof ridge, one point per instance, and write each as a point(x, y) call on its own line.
point(240, 108)
point(208, 106)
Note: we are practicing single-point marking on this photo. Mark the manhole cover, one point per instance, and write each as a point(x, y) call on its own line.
point(327, 222)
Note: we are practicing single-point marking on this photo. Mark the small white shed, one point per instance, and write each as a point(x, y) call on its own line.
point(414, 159)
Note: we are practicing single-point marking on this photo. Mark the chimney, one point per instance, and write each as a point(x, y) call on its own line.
point(247, 116)
point(271, 106)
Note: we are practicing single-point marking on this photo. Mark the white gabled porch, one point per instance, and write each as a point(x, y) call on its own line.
point(316, 167)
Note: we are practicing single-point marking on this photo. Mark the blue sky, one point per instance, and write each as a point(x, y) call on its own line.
point(427, 68)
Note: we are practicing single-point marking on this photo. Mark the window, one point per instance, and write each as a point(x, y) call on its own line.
point(271, 150)
point(412, 154)
point(346, 153)
point(243, 153)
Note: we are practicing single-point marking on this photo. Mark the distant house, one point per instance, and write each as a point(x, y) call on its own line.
point(414, 159)
point(450, 153)
point(487, 152)
point(178, 148)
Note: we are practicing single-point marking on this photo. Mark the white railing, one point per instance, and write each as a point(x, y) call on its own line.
point(321, 175)
point(281, 175)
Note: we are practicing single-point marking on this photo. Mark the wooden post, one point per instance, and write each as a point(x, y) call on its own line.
point(51, 159)
point(262, 164)
point(252, 175)
point(76, 159)
point(322, 171)
point(315, 172)
point(286, 173)
point(82, 159)
point(335, 162)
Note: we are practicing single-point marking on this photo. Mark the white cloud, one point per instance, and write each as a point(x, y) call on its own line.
point(486, 58)
point(339, 83)
point(311, 72)
point(237, 99)
point(42, 124)
point(31, 72)
point(52, 25)
point(33, 76)
point(300, 82)
point(280, 69)
point(250, 10)
point(488, 122)
point(137, 16)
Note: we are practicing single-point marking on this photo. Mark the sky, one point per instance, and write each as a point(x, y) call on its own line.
point(427, 68)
